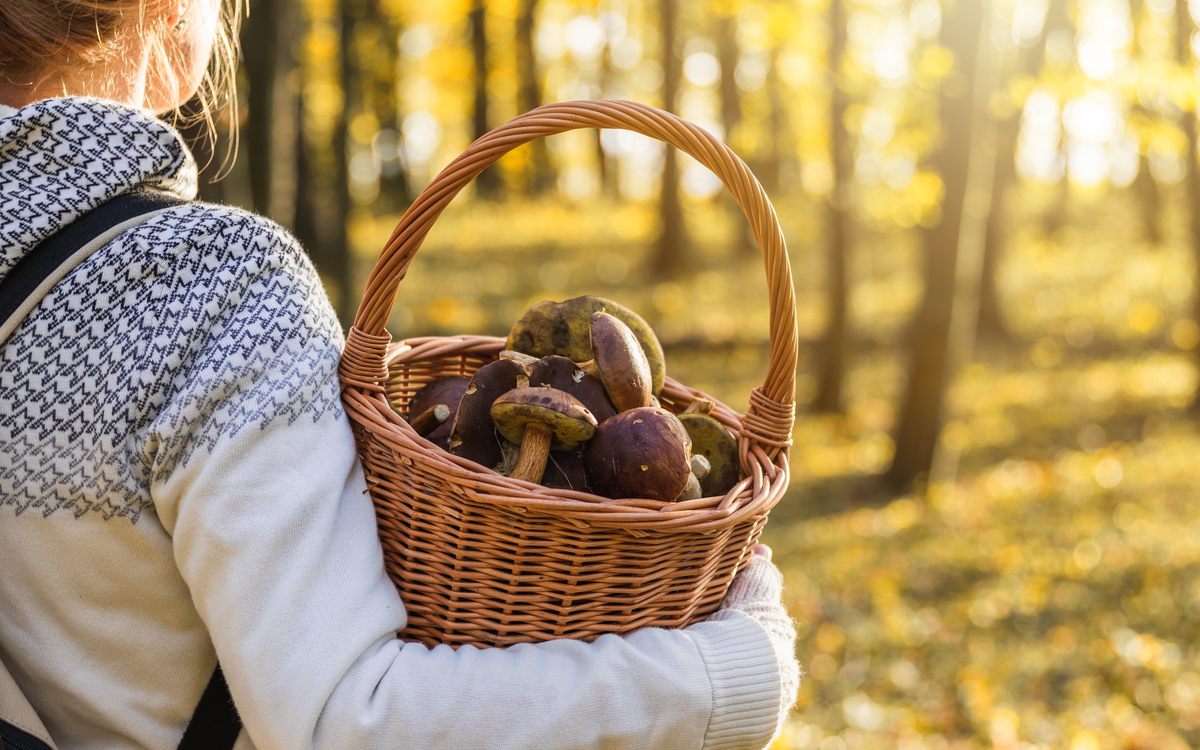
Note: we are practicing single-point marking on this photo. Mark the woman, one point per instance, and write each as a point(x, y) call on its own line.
point(178, 481)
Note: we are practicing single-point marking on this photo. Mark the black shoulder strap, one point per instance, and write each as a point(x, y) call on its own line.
point(27, 277)
point(215, 725)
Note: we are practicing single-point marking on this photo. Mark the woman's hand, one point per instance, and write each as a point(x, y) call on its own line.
point(758, 591)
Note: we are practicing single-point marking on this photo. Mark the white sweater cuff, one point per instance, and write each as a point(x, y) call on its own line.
point(745, 679)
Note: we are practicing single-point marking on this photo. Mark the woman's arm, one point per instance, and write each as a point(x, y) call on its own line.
point(275, 537)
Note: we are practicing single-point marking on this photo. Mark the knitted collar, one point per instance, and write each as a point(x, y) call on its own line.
point(60, 158)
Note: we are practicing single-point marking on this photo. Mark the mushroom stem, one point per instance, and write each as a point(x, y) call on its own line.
point(590, 368)
point(428, 420)
point(535, 449)
point(700, 406)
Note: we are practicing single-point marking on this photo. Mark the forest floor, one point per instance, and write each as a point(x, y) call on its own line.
point(1049, 596)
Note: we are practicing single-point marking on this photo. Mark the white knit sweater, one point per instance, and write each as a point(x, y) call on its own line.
point(178, 481)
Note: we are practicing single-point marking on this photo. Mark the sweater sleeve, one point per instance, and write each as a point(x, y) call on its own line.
point(257, 480)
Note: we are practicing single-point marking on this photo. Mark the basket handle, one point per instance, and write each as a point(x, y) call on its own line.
point(772, 406)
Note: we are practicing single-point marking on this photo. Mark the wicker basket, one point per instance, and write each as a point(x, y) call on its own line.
point(482, 559)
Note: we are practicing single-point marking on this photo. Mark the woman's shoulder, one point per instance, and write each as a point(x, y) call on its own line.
point(219, 233)
point(219, 261)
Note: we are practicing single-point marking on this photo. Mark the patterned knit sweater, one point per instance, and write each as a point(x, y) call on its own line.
point(178, 481)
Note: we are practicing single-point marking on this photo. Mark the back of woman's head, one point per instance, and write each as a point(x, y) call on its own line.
point(44, 40)
point(50, 36)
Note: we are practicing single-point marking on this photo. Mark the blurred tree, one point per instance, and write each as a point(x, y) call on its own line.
point(270, 127)
point(1184, 28)
point(725, 33)
point(1141, 118)
point(529, 96)
point(332, 252)
point(608, 185)
point(930, 355)
point(307, 226)
point(671, 258)
point(208, 145)
point(1026, 67)
point(835, 344)
point(1058, 18)
point(383, 76)
point(768, 167)
point(727, 57)
point(487, 184)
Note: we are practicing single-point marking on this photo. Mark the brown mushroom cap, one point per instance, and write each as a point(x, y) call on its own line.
point(717, 444)
point(569, 421)
point(622, 363)
point(564, 470)
point(564, 328)
point(448, 390)
point(474, 435)
point(563, 374)
point(640, 453)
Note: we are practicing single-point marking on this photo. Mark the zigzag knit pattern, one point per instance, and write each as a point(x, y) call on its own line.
point(198, 324)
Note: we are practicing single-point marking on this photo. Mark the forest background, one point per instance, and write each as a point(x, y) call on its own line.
point(992, 210)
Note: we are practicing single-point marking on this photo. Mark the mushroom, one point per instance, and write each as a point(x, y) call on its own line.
point(700, 470)
point(449, 391)
point(541, 419)
point(619, 362)
point(430, 419)
point(564, 328)
point(563, 374)
point(717, 445)
point(691, 490)
point(473, 435)
point(640, 453)
point(564, 470)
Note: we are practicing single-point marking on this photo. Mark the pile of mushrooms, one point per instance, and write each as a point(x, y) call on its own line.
point(572, 404)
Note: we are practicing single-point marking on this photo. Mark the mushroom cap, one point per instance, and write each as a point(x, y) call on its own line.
point(563, 374)
point(564, 470)
point(474, 435)
point(564, 328)
point(711, 440)
point(691, 490)
point(622, 363)
point(448, 390)
point(640, 453)
point(569, 421)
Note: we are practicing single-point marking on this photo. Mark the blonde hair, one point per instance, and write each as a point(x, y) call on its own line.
point(42, 38)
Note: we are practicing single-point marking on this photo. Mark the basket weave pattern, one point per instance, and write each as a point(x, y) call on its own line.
point(483, 559)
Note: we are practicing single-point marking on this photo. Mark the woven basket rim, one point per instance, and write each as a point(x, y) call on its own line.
point(481, 484)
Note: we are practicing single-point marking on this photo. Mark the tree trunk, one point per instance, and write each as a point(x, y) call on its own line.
point(487, 184)
point(727, 57)
point(1148, 196)
point(207, 148)
point(270, 129)
point(948, 286)
point(529, 96)
point(835, 344)
point(395, 194)
point(336, 246)
point(672, 256)
point(731, 116)
point(991, 326)
point(1184, 26)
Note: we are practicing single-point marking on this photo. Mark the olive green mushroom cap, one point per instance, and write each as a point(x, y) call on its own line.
point(563, 328)
point(570, 421)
